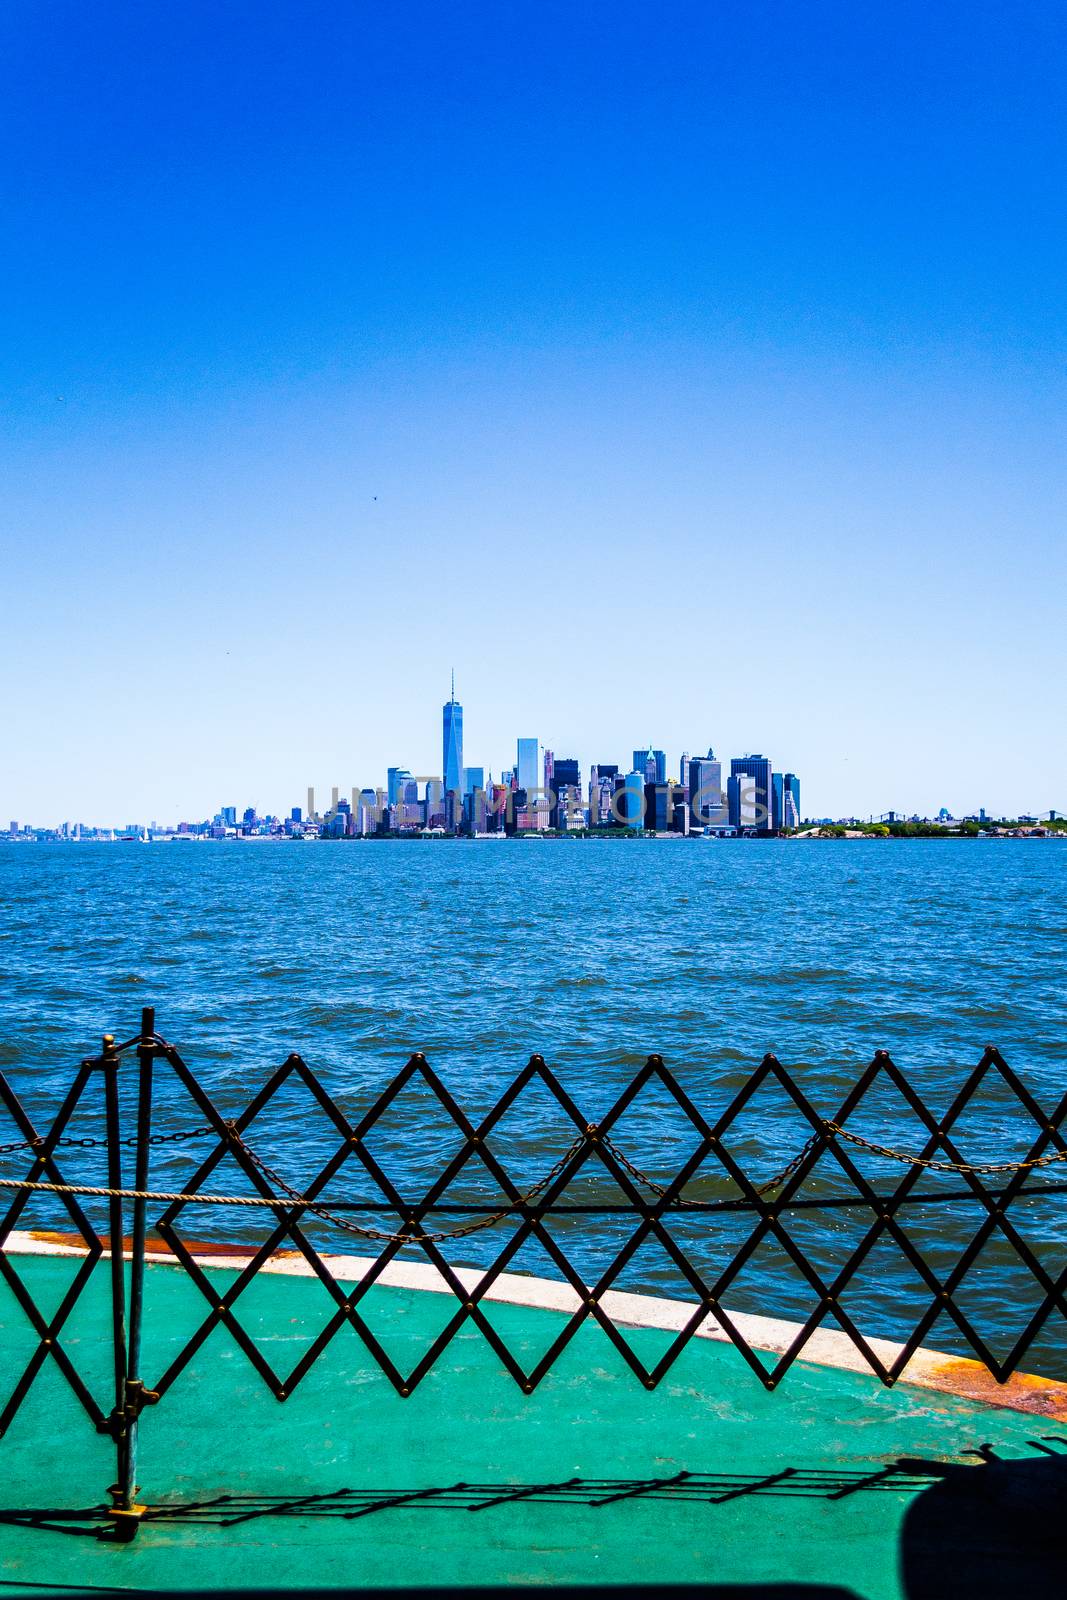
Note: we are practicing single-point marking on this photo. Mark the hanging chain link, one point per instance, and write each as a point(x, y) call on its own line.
point(932, 1165)
point(70, 1143)
point(405, 1235)
point(699, 1205)
point(412, 1230)
point(835, 1130)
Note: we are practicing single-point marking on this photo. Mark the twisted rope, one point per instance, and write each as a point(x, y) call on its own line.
point(412, 1229)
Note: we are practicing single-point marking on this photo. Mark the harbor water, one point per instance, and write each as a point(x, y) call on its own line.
point(593, 954)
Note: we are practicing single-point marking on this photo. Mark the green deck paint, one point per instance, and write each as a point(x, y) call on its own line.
point(220, 1432)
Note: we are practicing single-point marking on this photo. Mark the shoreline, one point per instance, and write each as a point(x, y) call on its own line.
point(848, 837)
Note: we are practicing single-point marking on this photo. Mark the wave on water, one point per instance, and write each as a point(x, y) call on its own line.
point(989, 1011)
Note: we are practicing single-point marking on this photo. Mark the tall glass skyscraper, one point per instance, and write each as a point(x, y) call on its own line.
point(528, 764)
point(758, 768)
point(452, 744)
point(633, 800)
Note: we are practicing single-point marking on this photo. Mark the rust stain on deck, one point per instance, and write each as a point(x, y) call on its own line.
point(1024, 1391)
point(156, 1247)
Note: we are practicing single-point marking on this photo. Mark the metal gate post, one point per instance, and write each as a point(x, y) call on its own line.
point(130, 1393)
point(120, 1489)
point(137, 1396)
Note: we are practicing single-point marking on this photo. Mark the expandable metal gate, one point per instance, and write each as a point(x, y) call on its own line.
point(651, 1201)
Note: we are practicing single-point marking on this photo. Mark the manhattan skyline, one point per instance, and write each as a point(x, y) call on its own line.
point(540, 790)
point(713, 377)
point(530, 768)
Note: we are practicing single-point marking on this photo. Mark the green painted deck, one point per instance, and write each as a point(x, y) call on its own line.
point(590, 1434)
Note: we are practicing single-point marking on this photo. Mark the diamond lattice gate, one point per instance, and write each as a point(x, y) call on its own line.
point(722, 1186)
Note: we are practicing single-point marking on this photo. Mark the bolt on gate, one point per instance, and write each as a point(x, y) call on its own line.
point(398, 1223)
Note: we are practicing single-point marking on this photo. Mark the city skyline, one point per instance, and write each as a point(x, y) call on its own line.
point(540, 791)
point(711, 377)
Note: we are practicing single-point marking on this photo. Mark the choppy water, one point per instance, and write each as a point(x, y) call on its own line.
point(593, 954)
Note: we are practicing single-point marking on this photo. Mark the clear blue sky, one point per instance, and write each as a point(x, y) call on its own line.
point(688, 375)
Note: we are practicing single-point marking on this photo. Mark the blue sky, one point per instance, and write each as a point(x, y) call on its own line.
point(689, 375)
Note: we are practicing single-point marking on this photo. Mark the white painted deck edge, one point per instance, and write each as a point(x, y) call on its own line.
point(827, 1347)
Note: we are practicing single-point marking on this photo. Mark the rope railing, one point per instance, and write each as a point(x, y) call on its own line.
point(591, 1138)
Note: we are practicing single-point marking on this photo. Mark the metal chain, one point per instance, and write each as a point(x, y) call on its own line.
point(699, 1205)
point(836, 1129)
point(930, 1165)
point(404, 1236)
point(69, 1142)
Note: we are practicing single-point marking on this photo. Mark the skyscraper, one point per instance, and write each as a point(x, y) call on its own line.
point(601, 789)
point(396, 779)
point(706, 799)
point(785, 800)
point(758, 768)
point(532, 814)
point(631, 801)
point(652, 763)
point(452, 743)
point(528, 766)
point(567, 794)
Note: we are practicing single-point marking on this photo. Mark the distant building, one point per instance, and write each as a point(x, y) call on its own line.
point(473, 779)
point(602, 780)
point(435, 803)
point(707, 802)
point(741, 801)
point(667, 807)
point(475, 810)
point(652, 764)
point(683, 770)
point(566, 788)
point(499, 811)
point(785, 800)
point(370, 813)
point(630, 801)
point(528, 774)
point(758, 768)
point(396, 779)
point(452, 744)
point(680, 814)
point(528, 763)
point(524, 810)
